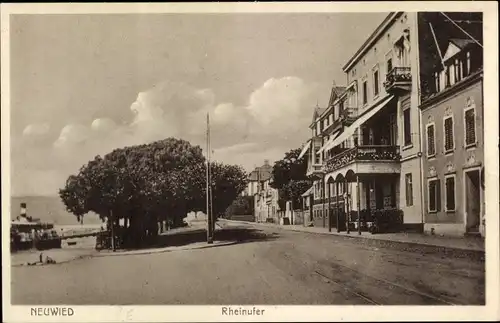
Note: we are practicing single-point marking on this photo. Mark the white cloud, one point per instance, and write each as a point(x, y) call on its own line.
point(274, 120)
point(72, 134)
point(103, 125)
point(39, 129)
point(281, 104)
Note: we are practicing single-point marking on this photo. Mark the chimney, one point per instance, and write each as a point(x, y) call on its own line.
point(23, 210)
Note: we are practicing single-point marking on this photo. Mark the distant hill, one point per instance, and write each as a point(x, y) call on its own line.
point(48, 209)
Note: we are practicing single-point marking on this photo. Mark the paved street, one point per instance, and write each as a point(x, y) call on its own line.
point(258, 265)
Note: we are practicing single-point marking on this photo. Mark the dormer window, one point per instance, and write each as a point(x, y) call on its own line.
point(458, 63)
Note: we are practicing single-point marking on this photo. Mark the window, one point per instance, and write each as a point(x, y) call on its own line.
point(407, 127)
point(375, 82)
point(458, 70)
point(450, 193)
point(448, 77)
point(442, 80)
point(317, 158)
point(437, 82)
point(431, 141)
point(451, 69)
point(467, 64)
point(434, 195)
point(365, 92)
point(470, 127)
point(409, 190)
point(389, 65)
point(449, 141)
point(393, 129)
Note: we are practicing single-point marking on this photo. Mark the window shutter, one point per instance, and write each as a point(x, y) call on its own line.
point(470, 131)
point(407, 127)
point(430, 141)
point(438, 196)
point(448, 130)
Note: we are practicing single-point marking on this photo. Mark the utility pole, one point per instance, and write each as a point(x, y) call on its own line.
point(112, 222)
point(212, 216)
point(209, 184)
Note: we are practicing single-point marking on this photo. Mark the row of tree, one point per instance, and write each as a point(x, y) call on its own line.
point(150, 185)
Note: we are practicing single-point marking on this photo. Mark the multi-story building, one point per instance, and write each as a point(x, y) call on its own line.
point(265, 198)
point(266, 203)
point(326, 124)
point(452, 115)
point(371, 161)
point(256, 179)
point(375, 151)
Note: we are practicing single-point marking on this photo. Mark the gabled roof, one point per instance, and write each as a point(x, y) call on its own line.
point(461, 43)
point(336, 92)
point(308, 192)
point(262, 173)
point(455, 46)
point(317, 112)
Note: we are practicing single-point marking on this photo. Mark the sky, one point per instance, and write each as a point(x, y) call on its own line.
point(84, 84)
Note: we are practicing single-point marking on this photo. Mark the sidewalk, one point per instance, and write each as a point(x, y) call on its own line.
point(458, 243)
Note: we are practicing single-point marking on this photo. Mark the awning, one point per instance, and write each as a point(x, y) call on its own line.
point(362, 119)
point(328, 145)
point(305, 149)
point(308, 192)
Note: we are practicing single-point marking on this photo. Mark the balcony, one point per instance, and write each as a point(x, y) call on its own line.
point(398, 79)
point(348, 115)
point(314, 170)
point(363, 154)
point(346, 118)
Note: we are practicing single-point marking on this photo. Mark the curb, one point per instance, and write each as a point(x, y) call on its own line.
point(478, 252)
point(158, 250)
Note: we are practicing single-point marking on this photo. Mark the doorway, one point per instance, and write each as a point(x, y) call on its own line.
point(472, 200)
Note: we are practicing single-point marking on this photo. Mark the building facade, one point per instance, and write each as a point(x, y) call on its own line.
point(452, 125)
point(366, 150)
point(256, 179)
point(373, 151)
point(266, 203)
point(265, 198)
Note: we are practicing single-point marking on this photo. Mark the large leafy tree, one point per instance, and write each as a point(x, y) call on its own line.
point(289, 177)
point(149, 184)
point(228, 181)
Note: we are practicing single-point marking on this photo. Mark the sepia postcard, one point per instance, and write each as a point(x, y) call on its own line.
point(258, 162)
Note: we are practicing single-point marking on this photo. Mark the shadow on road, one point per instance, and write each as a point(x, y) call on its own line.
point(228, 236)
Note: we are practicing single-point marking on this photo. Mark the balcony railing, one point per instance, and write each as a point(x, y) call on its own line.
point(346, 118)
point(363, 153)
point(348, 115)
point(314, 169)
point(398, 78)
